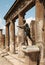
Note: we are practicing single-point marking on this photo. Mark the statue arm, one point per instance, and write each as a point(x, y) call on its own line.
point(23, 25)
point(20, 27)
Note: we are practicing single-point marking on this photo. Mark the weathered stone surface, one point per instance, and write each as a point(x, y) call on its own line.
point(32, 30)
point(12, 37)
point(39, 20)
point(21, 31)
point(19, 6)
point(0, 37)
point(39, 26)
point(17, 12)
point(30, 49)
point(7, 38)
point(2, 40)
point(21, 35)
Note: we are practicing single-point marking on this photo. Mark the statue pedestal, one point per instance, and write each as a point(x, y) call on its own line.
point(41, 62)
point(21, 54)
point(29, 49)
point(32, 55)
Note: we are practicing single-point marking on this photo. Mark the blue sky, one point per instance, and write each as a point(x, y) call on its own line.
point(5, 6)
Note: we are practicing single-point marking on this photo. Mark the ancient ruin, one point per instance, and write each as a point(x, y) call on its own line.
point(2, 40)
point(34, 53)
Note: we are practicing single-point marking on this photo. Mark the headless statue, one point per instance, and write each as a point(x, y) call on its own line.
point(26, 28)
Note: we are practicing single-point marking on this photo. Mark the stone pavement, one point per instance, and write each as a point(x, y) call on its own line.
point(15, 60)
point(12, 58)
point(3, 61)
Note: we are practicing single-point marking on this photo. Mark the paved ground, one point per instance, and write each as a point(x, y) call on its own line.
point(10, 59)
point(3, 61)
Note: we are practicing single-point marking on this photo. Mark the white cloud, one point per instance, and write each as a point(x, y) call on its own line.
point(29, 20)
point(2, 26)
point(0, 20)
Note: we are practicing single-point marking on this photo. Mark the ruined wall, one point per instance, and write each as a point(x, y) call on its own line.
point(2, 40)
point(0, 37)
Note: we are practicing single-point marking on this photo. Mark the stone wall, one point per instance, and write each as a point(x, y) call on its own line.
point(0, 37)
point(2, 40)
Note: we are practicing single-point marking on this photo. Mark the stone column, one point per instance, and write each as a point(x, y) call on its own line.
point(21, 34)
point(32, 30)
point(21, 31)
point(7, 38)
point(12, 37)
point(44, 28)
point(39, 26)
point(1, 38)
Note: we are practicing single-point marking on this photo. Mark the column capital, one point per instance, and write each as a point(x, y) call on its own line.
point(21, 14)
point(10, 20)
point(7, 25)
point(39, 25)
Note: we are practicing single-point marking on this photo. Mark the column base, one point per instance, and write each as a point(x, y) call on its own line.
point(7, 48)
point(12, 48)
point(12, 51)
point(41, 62)
point(21, 54)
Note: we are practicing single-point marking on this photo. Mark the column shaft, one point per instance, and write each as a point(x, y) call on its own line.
point(12, 37)
point(39, 21)
point(39, 25)
point(21, 31)
point(44, 29)
point(21, 35)
point(7, 38)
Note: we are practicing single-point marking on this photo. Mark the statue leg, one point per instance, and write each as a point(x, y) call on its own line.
point(26, 41)
point(29, 41)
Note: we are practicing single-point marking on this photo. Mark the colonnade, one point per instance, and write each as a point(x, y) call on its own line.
point(39, 22)
point(10, 34)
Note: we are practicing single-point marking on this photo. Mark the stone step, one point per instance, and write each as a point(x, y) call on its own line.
point(4, 54)
point(3, 51)
point(14, 60)
point(16, 56)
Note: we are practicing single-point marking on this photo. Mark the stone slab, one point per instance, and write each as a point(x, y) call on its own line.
point(30, 49)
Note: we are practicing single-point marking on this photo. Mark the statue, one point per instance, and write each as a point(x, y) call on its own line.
point(26, 28)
